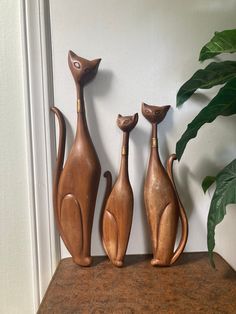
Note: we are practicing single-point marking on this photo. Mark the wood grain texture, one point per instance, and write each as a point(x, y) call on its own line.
point(190, 286)
point(76, 185)
point(163, 207)
point(117, 209)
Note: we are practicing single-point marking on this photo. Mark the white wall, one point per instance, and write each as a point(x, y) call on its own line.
point(16, 293)
point(148, 49)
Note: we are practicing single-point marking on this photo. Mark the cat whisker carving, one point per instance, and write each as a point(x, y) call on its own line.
point(117, 209)
point(76, 185)
point(163, 206)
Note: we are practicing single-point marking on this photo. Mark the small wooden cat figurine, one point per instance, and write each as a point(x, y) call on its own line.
point(162, 203)
point(76, 186)
point(118, 201)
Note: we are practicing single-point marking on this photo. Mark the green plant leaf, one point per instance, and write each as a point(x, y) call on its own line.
point(224, 41)
point(214, 74)
point(207, 182)
point(225, 193)
point(223, 104)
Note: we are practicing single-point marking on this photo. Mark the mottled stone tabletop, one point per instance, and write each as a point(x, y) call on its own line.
point(189, 286)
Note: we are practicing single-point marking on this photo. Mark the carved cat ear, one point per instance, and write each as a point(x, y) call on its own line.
point(74, 60)
point(96, 62)
point(154, 114)
point(145, 109)
point(72, 55)
point(135, 119)
point(127, 123)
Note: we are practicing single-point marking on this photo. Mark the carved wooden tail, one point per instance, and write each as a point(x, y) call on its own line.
point(108, 177)
point(60, 159)
point(183, 216)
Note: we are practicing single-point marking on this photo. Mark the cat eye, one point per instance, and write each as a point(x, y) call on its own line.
point(127, 121)
point(77, 65)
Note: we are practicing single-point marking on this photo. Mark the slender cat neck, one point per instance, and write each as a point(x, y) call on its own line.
point(82, 127)
point(154, 143)
point(154, 136)
point(124, 156)
point(80, 99)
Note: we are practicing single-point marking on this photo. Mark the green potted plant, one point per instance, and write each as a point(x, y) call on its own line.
point(223, 104)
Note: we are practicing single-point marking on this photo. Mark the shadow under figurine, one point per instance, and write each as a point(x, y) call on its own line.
point(76, 185)
point(118, 201)
point(163, 207)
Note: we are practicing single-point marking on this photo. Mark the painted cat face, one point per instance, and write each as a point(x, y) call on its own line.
point(127, 123)
point(82, 70)
point(154, 114)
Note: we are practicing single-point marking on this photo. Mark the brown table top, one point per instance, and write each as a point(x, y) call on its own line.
point(189, 286)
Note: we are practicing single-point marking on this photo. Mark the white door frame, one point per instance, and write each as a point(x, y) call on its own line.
point(38, 93)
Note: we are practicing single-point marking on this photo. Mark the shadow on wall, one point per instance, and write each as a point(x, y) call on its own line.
point(102, 86)
point(200, 99)
point(69, 137)
point(162, 133)
point(182, 180)
point(222, 154)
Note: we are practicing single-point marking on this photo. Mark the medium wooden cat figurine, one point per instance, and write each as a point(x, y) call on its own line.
point(118, 202)
point(76, 186)
point(162, 203)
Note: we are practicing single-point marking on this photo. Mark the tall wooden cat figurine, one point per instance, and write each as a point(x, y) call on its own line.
point(118, 202)
point(162, 203)
point(76, 186)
